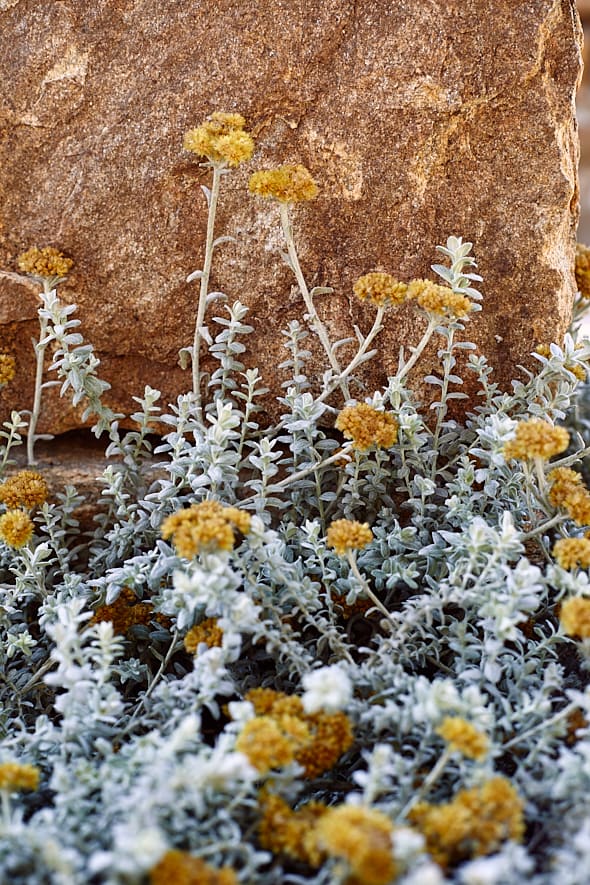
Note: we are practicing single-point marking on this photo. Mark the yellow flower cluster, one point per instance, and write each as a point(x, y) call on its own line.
point(367, 426)
point(439, 300)
point(16, 528)
point(287, 184)
point(578, 371)
point(536, 439)
point(575, 617)
point(292, 833)
point(207, 631)
point(180, 868)
point(282, 732)
point(347, 534)
point(207, 526)
point(46, 263)
point(568, 491)
point(125, 612)
point(472, 824)
point(27, 488)
point(358, 835)
point(582, 270)
point(381, 289)
point(464, 737)
point(572, 552)
point(7, 368)
point(221, 138)
point(361, 837)
point(15, 776)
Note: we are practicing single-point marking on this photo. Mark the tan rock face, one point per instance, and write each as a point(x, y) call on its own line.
point(418, 120)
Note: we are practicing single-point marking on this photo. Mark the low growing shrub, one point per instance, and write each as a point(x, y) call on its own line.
point(350, 647)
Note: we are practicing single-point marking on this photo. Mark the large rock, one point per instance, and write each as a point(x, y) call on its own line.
point(418, 120)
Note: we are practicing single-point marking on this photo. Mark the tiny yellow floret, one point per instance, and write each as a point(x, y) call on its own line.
point(463, 737)
point(7, 368)
point(282, 732)
point(208, 631)
point(367, 427)
point(347, 534)
point(222, 139)
point(381, 289)
point(15, 776)
point(181, 868)
point(46, 263)
point(288, 832)
point(474, 823)
point(16, 528)
point(362, 837)
point(439, 300)
point(572, 552)
point(203, 527)
point(27, 488)
point(575, 617)
point(287, 184)
point(536, 439)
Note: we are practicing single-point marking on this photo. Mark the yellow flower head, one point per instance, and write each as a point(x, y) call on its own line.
point(439, 300)
point(181, 868)
point(575, 617)
point(16, 528)
point(15, 777)
point(222, 139)
point(564, 483)
point(367, 426)
point(464, 737)
point(203, 527)
point(347, 534)
point(474, 823)
point(572, 552)
point(360, 836)
point(125, 612)
point(380, 288)
point(207, 631)
point(288, 832)
point(46, 263)
point(287, 184)
point(265, 744)
point(27, 488)
point(582, 270)
point(7, 368)
point(283, 732)
point(536, 439)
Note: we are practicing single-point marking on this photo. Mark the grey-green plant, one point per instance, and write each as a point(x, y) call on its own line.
point(448, 609)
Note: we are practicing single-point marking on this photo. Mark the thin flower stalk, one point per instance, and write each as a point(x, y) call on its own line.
point(358, 357)
point(314, 320)
point(40, 348)
point(351, 556)
point(212, 199)
point(404, 370)
point(427, 783)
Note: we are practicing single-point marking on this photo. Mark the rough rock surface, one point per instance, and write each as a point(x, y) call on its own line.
point(418, 120)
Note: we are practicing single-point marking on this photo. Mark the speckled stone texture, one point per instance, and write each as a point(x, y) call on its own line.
point(418, 120)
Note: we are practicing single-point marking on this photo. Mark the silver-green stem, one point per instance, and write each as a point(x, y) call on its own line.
point(315, 322)
point(441, 413)
point(432, 324)
point(36, 410)
point(542, 726)
point(376, 328)
point(427, 783)
point(204, 289)
point(6, 809)
point(351, 556)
